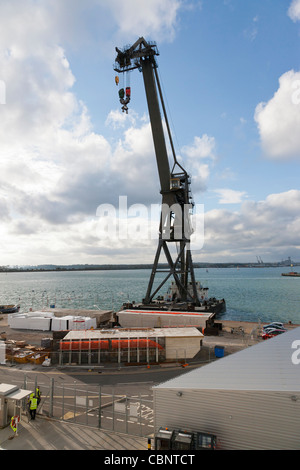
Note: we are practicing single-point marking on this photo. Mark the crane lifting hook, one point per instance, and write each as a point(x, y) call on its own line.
point(124, 95)
point(124, 101)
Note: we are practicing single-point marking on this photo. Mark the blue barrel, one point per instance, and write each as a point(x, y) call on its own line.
point(219, 351)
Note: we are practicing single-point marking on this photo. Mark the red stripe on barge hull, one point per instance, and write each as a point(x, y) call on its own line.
point(166, 312)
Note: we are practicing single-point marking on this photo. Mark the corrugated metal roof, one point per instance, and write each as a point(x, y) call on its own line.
point(167, 312)
point(264, 366)
point(134, 333)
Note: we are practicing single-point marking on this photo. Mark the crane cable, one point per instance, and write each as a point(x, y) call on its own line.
point(171, 142)
point(167, 122)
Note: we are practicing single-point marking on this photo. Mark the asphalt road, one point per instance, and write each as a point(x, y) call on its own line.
point(127, 381)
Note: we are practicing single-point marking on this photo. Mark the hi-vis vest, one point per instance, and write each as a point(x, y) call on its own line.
point(33, 404)
point(13, 423)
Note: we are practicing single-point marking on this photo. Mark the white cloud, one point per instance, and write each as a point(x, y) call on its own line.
point(199, 156)
point(251, 32)
point(294, 10)
point(157, 18)
point(111, 19)
point(55, 170)
point(134, 162)
point(270, 227)
point(117, 119)
point(278, 120)
point(79, 23)
point(202, 147)
point(230, 196)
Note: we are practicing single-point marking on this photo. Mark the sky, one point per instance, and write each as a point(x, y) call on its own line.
point(79, 181)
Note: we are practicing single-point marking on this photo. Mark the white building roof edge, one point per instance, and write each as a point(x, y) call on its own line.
point(267, 366)
point(135, 333)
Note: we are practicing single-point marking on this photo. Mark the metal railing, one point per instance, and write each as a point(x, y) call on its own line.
point(90, 406)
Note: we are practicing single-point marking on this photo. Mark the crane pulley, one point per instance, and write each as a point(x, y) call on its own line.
point(124, 98)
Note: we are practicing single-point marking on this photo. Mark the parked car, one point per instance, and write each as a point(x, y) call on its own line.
point(272, 332)
point(275, 324)
point(266, 330)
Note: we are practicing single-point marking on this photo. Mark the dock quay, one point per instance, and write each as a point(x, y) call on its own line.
point(232, 335)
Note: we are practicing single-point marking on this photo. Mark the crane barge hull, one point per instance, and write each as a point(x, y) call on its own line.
point(166, 316)
point(291, 274)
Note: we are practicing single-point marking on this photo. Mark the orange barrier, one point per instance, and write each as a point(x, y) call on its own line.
point(84, 345)
point(134, 343)
point(104, 344)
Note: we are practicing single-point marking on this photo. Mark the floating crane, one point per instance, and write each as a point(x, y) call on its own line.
point(177, 204)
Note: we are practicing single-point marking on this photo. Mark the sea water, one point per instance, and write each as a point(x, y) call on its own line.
point(251, 294)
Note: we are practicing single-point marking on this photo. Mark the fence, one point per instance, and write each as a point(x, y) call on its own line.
point(116, 350)
point(90, 406)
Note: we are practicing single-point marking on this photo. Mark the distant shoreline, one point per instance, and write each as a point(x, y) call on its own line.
point(119, 267)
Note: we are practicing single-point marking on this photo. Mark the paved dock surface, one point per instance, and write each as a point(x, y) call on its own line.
point(46, 434)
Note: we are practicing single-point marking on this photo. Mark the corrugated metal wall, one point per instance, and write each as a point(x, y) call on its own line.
point(241, 420)
point(177, 348)
point(129, 319)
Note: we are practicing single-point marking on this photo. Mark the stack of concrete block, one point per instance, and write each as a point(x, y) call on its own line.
point(46, 321)
point(30, 322)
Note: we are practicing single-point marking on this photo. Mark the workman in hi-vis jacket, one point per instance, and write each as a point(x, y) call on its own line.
point(13, 424)
point(33, 406)
point(38, 394)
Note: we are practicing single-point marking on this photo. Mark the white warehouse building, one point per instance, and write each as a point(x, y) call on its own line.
point(130, 345)
point(249, 400)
